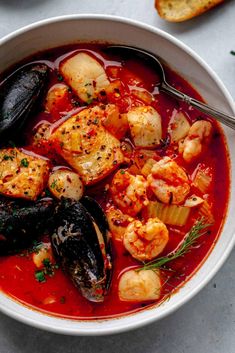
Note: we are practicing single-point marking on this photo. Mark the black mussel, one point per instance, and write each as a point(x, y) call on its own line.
point(22, 222)
point(77, 245)
point(20, 94)
point(97, 213)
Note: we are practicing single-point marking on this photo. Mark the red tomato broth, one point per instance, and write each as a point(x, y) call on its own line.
point(17, 273)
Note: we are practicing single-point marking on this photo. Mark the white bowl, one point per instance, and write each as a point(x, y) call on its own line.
point(70, 29)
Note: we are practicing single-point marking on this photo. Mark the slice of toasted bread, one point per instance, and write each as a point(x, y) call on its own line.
point(182, 10)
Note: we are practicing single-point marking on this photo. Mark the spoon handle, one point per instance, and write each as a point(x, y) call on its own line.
point(205, 108)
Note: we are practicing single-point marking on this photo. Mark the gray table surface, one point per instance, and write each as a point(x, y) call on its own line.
point(206, 323)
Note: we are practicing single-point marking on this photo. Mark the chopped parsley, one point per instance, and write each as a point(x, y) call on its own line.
point(90, 100)
point(62, 300)
point(53, 184)
point(232, 52)
point(7, 157)
point(60, 78)
point(40, 276)
point(47, 193)
point(24, 162)
point(48, 267)
point(48, 270)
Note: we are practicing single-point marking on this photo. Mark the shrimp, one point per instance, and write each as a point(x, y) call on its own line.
point(168, 181)
point(139, 285)
point(199, 136)
point(129, 192)
point(118, 222)
point(146, 241)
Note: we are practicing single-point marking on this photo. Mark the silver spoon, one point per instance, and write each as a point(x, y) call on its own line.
point(167, 88)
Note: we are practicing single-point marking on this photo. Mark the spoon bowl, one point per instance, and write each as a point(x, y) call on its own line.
point(167, 88)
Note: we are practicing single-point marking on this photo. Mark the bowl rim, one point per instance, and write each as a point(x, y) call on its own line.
point(97, 331)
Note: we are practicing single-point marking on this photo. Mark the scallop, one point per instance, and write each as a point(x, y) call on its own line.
point(178, 126)
point(145, 125)
point(65, 183)
point(139, 285)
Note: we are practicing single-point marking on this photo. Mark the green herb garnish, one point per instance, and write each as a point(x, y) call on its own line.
point(90, 100)
point(40, 276)
point(232, 52)
point(6, 157)
point(47, 270)
point(48, 267)
point(62, 300)
point(60, 78)
point(53, 184)
point(24, 162)
point(47, 193)
point(190, 239)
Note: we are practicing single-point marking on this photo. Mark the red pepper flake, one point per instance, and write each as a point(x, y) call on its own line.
point(91, 132)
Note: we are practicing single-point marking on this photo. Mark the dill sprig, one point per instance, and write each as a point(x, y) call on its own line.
point(195, 232)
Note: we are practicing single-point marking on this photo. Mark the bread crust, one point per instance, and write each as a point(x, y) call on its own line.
point(182, 10)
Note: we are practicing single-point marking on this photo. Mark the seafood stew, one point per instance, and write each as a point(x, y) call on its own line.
point(112, 193)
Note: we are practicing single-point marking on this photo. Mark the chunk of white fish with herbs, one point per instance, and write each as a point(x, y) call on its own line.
point(85, 75)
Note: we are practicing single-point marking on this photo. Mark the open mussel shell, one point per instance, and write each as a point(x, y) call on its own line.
point(99, 217)
point(21, 222)
point(78, 249)
point(20, 95)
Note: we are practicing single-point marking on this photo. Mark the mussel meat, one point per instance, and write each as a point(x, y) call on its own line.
point(22, 222)
point(79, 244)
point(20, 94)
